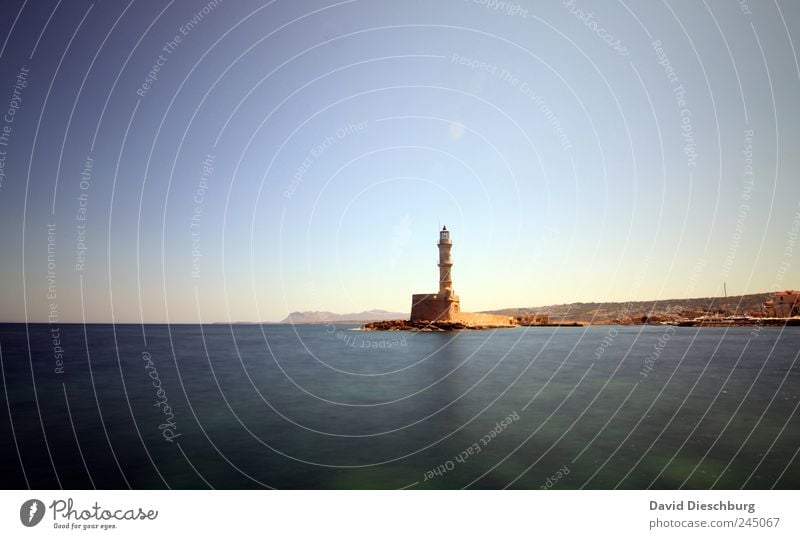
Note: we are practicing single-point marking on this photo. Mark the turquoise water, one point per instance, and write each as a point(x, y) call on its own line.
point(189, 406)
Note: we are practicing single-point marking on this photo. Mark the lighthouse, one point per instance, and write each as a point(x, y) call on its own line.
point(445, 263)
point(444, 306)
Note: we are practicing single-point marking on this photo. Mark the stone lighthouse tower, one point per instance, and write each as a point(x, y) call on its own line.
point(444, 306)
point(445, 263)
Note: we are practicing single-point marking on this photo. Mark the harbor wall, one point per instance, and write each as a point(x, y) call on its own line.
point(485, 319)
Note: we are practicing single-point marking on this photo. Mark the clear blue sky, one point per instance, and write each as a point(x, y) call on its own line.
point(578, 151)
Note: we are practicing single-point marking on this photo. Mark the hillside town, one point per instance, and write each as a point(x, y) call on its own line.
point(777, 309)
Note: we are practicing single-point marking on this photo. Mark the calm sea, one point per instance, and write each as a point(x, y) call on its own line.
point(315, 406)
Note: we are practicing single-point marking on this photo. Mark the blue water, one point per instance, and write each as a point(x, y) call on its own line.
point(327, 407)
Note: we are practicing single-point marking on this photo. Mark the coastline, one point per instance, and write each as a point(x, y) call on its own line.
point(429, 326)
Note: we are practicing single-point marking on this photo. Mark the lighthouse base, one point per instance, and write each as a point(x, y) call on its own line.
point(444, 308)
point(435, 307)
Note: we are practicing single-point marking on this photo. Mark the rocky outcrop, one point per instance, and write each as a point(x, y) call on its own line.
point(424, 325)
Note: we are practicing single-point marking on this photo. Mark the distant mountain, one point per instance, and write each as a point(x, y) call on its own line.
point(602, 312)
point(320, 317)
